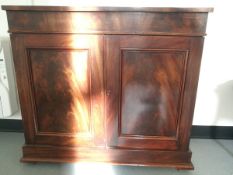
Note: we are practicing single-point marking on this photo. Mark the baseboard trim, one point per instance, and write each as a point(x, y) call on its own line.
point(212, 132)
point(198, 131)
point(11, 125)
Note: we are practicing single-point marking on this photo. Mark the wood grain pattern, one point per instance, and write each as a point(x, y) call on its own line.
point(107, 84)
point(158, 100)
point(61, 89)
point(66, 88)
point(189, 24)
point(105, 9)
point(180, 160)
point(151, 94)
point(190, 91)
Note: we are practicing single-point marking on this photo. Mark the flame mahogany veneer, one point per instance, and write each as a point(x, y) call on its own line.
point(107, 84)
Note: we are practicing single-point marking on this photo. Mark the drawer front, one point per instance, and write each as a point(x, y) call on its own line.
point(60, 82)
point(111, 22)
point(147, 82)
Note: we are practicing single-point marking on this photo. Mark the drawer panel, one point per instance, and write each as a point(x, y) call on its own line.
point(166, 23)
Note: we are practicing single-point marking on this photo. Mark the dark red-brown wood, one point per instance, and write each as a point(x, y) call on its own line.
point(106, 9)
point(128, 21)
point(62, 84)
point(113, 85)
point(145, 101)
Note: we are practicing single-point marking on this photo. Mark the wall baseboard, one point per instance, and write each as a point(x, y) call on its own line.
point(212, 132)
point(11, 125)
point(203, 132)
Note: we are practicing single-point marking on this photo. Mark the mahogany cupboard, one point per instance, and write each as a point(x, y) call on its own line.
point(107, 84)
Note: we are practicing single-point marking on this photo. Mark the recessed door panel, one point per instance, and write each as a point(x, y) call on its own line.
point(64, 84)
point(151, 81)
point(145, 91)
point(61, 80)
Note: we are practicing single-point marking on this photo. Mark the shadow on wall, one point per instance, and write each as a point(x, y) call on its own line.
point(225, 101)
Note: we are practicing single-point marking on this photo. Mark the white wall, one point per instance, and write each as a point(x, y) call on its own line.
point(9, 83)
point(214, 105)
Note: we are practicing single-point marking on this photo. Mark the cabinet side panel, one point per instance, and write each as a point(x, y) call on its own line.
point(23, 86)
point(191, 83)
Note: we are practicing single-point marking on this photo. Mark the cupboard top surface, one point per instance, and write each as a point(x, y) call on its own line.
point(102, 8)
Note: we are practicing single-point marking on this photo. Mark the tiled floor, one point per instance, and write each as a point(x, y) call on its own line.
point(210, 157)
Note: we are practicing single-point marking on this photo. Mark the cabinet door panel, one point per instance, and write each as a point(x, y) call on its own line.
point(61, 83)
point(65, 84)
point(145, 84)
point(151, 81)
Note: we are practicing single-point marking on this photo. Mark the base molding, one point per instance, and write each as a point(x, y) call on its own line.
point(170, 159)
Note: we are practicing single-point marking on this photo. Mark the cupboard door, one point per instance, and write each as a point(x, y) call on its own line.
point(150, 90)
point(60, 81)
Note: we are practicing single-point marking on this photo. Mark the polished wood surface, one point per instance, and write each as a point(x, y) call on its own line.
point(62, 91)
point(151, 92)
point(157, 158)
point(149, 23)
point(114, 85)
point(60, 82)
point(106, 9)
point(146, 101)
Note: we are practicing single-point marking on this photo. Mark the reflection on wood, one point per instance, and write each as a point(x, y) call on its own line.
point(78, 79)
point(150, 93)
point(62, 90)
point(82, 99)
